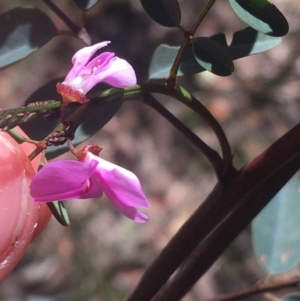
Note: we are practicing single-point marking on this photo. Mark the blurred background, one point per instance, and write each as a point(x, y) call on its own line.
point(102, 255)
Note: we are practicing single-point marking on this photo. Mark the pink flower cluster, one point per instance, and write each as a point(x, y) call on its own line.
point(69, 179)
point(92, 176)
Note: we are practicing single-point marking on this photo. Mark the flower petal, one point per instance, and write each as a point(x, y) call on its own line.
point(118, 73)
point(65, 179)
point(129, 212)
point(85, 81)
point(81, 58)
point(120, 182)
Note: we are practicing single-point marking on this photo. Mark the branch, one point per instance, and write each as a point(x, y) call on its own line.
point(258, 289)
point(208, 251)
point(184, 97)
point(211, 155)
point(62, 16)
point(187, 37)
point(223, 198)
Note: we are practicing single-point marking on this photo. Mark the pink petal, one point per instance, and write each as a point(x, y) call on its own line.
point(81, 58)
point(65, 179)
point(122, 183)
point(118, 73)
point(85, 81)
point(129, 212)
point(122, 187)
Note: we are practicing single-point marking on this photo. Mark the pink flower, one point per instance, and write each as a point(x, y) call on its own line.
point(87, 72)
point(68, 179)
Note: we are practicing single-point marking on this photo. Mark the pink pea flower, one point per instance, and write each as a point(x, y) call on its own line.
point(87, 72)
point(68, 179)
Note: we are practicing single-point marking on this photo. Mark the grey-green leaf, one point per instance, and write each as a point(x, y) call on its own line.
point(244, 43)
point(212, 56)
point(85, 4)
point(165, 12)
point(59, 212)
point(249, 41)
point(23, 30)
point(261, 15)
point(164, 56)
point(276, 231)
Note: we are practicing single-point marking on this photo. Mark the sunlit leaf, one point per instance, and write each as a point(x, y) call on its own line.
point(244, 43)
point(276, 231)
point(165, 12)
point(212, 56)
point(249, 41)
point(261, 15)
point(23, 30)
point(85, 4)
point(164, 56)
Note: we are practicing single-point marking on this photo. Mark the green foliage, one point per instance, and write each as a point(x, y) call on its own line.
point(163, 58)
point(244, 43)
point(249, 41)
point(23, 30)
point(261, 15)
point(212, 57)
point(85, 4)
point(276, 231)
point(59, 212)
point(165, 12)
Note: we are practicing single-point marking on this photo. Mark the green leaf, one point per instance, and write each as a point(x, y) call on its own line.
point(59, 212)
point(244, 43)
point(212, 56)
point(164, 56)
point(89, 127)
point(85, 4)
point(165, 12)
point(261, 15)
point(276, 231)
point(249, 41)
point(23, 30)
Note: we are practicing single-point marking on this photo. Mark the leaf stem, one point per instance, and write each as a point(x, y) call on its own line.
point(188, 36)
point(212, 156)
point(189, 100)
point(202, 15)
point(209, 249)
point(62, 16)
point(258, 289)
point(184, 97)
point(276, 163)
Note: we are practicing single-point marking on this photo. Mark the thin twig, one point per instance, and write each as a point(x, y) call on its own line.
point(214, 209)
point(62, 16)
point(188, 35)
point(207, 252)
point(258, 289)
point(213, 157)
point(202, 15)
point(187, 99)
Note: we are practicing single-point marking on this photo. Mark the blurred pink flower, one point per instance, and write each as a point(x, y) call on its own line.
point(87, 72)
point(68, 179)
